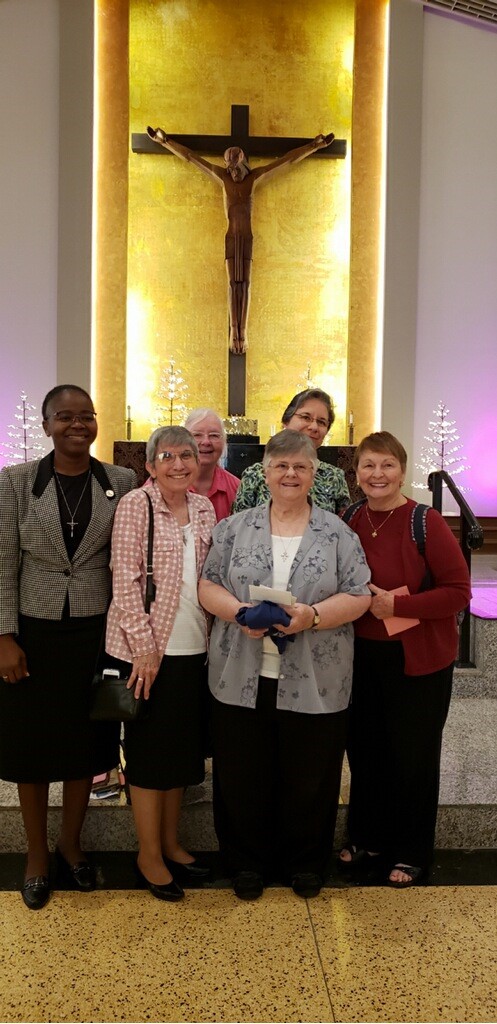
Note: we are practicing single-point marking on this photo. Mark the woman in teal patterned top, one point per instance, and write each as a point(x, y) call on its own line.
point(311, 412)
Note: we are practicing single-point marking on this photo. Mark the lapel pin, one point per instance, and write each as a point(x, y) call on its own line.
point(109, 494)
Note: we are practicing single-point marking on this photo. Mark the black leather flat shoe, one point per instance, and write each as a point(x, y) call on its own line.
point(35, 892)
point(81, 873)
point(193, 872)
point(248, 885)
point(307, 884)
point(170, 891)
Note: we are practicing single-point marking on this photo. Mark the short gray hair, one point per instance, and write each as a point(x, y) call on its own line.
point(174, 436)
point(197, 415)
point(290, 442)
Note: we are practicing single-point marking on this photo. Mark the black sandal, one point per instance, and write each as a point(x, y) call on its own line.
point(358, 858)
point(415, 876)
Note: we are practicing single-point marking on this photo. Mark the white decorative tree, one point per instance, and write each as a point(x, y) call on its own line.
point(305, 381)
point(174, 389)
point(25, 434)
point(442, 448)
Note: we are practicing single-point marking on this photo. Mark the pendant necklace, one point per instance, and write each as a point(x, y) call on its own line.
point(285, 555)
point(376, 529)
point(72, 522)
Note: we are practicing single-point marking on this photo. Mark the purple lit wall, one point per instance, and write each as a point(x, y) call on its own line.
point(456, 348)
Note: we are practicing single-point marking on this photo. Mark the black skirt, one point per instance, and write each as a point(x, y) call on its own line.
point(164, 750)
point(45, 731)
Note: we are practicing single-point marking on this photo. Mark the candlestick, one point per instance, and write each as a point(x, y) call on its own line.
point(128, 424)
point(351, 428)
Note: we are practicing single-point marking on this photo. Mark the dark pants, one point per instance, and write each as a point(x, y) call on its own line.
point(395, 740)
point(276, 785)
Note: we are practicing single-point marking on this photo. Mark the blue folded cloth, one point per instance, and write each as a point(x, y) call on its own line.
point(264, 616)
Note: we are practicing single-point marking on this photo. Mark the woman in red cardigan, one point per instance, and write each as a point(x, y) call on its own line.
point(402, 679)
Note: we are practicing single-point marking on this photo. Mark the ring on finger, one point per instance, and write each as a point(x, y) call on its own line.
point(5, 678)
point(140, 679)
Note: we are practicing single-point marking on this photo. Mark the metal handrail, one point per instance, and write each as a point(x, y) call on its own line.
point(471, 538)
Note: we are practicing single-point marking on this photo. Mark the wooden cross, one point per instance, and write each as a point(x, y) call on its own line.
point(252, 145)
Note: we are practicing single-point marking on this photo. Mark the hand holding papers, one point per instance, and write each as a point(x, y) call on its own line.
point(393, 623)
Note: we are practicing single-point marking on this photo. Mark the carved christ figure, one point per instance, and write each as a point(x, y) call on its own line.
point(238, 182)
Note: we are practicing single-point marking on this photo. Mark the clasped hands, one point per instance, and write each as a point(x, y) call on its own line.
point(382, 604)
point(302, 616)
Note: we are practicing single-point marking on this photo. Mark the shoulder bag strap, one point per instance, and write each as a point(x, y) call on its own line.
point(150, 587)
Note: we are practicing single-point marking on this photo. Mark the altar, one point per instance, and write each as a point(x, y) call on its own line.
point(241, 455)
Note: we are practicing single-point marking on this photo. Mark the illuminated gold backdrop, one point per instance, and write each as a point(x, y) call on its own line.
point(187, 63)
point(292, 62)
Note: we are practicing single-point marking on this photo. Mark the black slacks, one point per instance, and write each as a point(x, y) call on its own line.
point(276, 785)
point(394, 746)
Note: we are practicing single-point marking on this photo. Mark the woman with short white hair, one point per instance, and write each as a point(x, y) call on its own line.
point(166, 651)
point(279, 719)
point(214, 482)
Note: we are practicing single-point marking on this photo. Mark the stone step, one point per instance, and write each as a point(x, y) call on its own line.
point(468, 773)
point(467, 816)
point(459, 827)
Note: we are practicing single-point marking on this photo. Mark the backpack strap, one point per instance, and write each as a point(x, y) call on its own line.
point(351, 510)
point(418, 534)
point(418, 527)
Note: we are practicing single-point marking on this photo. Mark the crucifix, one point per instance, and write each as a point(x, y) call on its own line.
point(238, 182)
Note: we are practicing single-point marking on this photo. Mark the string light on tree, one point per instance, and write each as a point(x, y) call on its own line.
point(25, 435)
point(174, 389)
point(442, 448)
point(305, 381)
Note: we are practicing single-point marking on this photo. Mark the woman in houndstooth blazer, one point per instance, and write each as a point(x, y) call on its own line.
point(55, 518)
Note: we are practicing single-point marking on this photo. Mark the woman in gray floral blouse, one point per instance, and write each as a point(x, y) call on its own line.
point(311, 413)
point(279, 720)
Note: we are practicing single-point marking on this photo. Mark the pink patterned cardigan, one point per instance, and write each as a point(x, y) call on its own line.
point(130, 631)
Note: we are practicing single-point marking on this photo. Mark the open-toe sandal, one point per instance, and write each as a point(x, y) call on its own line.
point(415, 875)
point(358, 858)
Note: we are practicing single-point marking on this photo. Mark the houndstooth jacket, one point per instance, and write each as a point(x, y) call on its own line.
point(36, 573)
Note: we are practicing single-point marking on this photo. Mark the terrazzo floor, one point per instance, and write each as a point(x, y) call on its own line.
point(351, 954)
point(358, 952)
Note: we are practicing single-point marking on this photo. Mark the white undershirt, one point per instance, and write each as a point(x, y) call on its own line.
point(188, 632)
point(284, 551)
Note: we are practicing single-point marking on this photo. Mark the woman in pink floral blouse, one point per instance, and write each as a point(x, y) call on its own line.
point(167, 648)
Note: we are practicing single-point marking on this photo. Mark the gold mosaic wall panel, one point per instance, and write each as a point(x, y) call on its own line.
point(189, 61)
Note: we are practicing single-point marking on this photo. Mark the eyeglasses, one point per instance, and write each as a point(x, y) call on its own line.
point(171, 456)
point(298, 467)
point(307, 418)
point(212, 435)
point(73, 417)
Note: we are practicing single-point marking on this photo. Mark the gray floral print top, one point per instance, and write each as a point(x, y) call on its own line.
point(316, 669)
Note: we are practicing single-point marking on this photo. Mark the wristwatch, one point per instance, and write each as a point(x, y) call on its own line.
point(317, 618)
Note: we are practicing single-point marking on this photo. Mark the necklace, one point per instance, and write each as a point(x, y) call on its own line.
point(72, 522)
point(285, 555)
point(374, 528)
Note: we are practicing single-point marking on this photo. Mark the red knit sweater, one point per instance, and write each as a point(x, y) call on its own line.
point(394, 561)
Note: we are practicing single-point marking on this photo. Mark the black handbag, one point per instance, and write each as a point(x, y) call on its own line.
point(111, 700)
